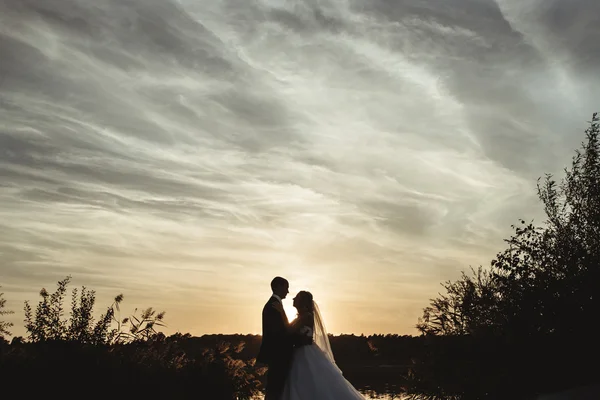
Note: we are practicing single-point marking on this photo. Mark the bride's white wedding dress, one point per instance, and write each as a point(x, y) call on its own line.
point(313, 373)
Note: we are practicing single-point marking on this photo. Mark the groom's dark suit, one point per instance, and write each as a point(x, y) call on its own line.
point(276, 349)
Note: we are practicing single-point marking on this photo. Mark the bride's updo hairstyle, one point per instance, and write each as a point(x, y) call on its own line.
point(305, 300)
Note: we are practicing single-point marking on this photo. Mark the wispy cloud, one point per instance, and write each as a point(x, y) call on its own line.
point(186, 152)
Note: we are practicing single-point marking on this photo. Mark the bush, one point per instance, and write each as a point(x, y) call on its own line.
point(76, 356)
point(154, 368)
point(48, 323)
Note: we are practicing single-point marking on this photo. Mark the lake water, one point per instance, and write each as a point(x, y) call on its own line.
point(371, 396)
point(383, 397)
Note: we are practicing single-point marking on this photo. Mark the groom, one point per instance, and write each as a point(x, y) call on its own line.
point(277, 346)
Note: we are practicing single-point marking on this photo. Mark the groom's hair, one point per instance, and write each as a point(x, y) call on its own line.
point(277, 282)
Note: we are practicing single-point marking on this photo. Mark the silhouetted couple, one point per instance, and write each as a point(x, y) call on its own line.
point(298, 354)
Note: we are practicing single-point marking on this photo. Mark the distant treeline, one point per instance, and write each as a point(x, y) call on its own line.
point(380, 363)
point(349, 350)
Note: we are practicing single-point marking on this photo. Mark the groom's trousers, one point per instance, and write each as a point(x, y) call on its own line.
point(276, 377)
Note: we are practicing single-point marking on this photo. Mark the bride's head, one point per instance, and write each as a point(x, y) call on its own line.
point(303, 301)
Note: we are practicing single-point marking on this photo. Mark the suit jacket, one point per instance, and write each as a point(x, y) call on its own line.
point(276, 343)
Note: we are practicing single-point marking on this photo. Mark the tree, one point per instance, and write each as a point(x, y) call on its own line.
point(470, 305)
point(547, 280)
point(550, 274)
point(506, 328)
point(4, 326)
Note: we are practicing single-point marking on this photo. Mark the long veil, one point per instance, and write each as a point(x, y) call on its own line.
point(320, 334)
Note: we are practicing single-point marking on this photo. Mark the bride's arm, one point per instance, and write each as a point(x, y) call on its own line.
point(296, 324)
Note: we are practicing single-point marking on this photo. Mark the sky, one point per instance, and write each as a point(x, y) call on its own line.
point(184, 153)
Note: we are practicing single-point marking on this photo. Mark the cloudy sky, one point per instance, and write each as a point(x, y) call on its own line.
point(184, 153)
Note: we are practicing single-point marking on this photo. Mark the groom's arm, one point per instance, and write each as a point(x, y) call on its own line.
point(274, 323)
point(271, 330)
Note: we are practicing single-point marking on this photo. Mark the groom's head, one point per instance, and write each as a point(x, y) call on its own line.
point(280, 286)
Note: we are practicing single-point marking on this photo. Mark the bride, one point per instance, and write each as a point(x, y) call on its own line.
point(313, 374)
